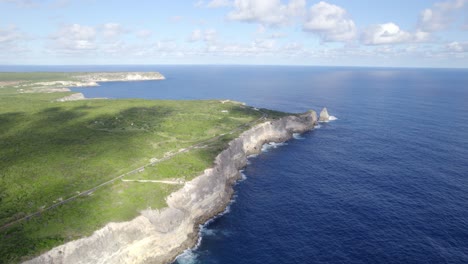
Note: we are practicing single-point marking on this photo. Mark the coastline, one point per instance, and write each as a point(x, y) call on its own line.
point(84, 80)
point(90, 80)
point(159, 236)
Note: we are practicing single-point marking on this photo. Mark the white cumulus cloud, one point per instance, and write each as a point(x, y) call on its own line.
point(13, 41)
point(10, 34)
point(38, 3)
point(391, 33)
point(115, 47)
point(254, 48)
point(266, 12)
point(440, 16)
point(388, 33)
point(144, 33)
point(218, 3)
point(75, 37)
point(112, 30)
point(208, 35)
point(23, 3)
point(196, 35)
point(330, 22)
point(457, 46)
point(421, 36)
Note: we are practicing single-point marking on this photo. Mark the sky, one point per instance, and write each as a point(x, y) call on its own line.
point(386, 33)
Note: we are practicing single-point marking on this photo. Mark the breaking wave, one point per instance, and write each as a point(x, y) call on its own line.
point(271, 145)
point(188, 257)
point(252, 156)
point(298, 136)
point(243, 176)
point(330, 118)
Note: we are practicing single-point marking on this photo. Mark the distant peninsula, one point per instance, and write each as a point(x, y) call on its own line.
point(118, 181)
point(36, 82)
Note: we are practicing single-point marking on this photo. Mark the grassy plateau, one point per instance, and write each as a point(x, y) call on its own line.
point(51, 151)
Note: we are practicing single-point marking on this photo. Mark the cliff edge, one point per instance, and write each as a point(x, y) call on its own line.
point(158, 236)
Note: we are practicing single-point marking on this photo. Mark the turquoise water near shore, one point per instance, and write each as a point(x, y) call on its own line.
point(385, 183)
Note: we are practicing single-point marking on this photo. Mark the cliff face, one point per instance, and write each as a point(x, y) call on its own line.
point(158, 236)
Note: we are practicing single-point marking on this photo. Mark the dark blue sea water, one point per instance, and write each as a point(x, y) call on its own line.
point(385, 183)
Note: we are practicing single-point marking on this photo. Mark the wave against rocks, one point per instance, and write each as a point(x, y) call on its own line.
point(158, 236)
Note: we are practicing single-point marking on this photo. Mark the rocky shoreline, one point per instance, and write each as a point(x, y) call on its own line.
point(84, 80)
point(159, 236)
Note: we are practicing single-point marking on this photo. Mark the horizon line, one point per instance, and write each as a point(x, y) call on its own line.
point(225, 64)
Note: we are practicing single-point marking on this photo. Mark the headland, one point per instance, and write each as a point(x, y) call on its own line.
point(158, 236)
point(118, 181)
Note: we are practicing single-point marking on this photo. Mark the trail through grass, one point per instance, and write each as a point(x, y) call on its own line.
point(50, 151)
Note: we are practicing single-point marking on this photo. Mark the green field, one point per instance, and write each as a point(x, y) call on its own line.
point(50, 151)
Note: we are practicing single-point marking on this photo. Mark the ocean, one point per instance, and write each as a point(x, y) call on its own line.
point(386, 182)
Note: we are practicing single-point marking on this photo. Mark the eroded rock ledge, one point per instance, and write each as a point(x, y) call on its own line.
point(158, 236)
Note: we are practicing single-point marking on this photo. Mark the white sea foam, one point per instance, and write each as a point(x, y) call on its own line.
point(271, 145)
point(243, 176)
point(208, 232)
point(298, 136)
point(188, 257)
point(226, 233)
point(207, 223)
point(252, 156)
point(330, 118)
point(317, 126)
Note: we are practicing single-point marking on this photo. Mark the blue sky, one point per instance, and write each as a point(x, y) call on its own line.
point(396, 33)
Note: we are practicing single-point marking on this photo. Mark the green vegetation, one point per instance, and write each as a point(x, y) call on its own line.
point(50, 151)
point(184, 166)
point(36, 76)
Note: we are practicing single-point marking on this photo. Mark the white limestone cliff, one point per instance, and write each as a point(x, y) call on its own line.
point(158, 236)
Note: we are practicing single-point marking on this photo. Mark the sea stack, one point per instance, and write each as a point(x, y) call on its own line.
point(324, 117)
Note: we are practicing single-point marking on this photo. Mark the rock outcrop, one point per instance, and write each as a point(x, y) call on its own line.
point(158, 236)
point(324, 117)
point(85, 80)
point(120, 76)
point(72, 97)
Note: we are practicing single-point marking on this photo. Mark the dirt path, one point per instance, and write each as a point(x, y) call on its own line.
point(173, 182)
point(154, 161)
